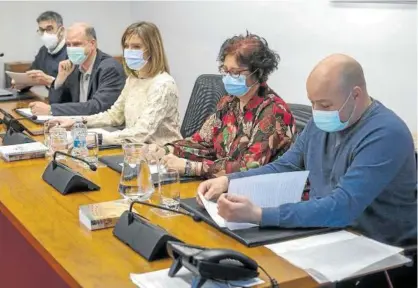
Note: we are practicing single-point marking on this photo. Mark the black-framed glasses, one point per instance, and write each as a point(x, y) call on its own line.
point(49, 29)
point(234, 74)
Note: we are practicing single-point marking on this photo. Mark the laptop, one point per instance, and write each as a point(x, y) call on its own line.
point(5, 93)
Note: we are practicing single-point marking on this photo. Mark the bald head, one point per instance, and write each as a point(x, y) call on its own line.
point(333, 80)
point(81, 32)
point(338, 72)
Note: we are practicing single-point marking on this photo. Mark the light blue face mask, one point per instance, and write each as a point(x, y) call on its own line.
point(76, 55)
point(134, 59)
point(330, 121)
point(235, 86)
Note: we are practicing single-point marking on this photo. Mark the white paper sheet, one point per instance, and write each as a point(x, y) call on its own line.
point(271, 190)
point(40, 91)
point(320, 255)
point(183, 279)
point(21, 78)
point(212, 209)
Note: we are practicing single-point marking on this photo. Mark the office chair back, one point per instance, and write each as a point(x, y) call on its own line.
point(302, 114)
point(207, 91)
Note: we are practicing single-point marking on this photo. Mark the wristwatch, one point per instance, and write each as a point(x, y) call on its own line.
point(188, 168)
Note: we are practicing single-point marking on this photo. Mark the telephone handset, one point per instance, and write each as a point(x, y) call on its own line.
point(214, 264)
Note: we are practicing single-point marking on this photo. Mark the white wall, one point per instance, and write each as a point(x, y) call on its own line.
point(20, 42)
point(382, 37)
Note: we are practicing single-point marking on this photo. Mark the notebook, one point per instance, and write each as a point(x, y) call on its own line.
point(255, 236)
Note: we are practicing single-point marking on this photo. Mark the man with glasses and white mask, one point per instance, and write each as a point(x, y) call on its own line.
point(89, 82)
point(44, 68)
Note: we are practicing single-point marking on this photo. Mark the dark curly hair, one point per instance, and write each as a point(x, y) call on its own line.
point(253, 52)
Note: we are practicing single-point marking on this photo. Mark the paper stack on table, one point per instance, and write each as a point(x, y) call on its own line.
point(183, 279)
point(269, 190)
point(339, 255)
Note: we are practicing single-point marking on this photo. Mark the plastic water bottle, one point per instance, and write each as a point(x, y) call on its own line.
point(79, 134)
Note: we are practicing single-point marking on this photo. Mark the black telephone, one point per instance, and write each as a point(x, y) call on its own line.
point(214, 264)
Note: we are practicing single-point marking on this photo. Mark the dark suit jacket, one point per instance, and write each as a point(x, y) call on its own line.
point(106, 83)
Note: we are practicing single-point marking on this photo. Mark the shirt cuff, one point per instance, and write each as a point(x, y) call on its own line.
point(270, 217)
point(233, 176)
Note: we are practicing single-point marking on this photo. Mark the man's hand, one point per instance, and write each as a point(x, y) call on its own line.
point(40, 108)
point(234, 208)
point(17, 87)
point(65, 68)
point(173, 162)
point(212, 189)
point(40, 77)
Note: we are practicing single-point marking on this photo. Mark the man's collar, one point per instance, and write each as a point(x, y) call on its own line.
point(91, 66)
point(58, 48)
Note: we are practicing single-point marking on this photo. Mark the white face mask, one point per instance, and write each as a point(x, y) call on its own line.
point(50, 40)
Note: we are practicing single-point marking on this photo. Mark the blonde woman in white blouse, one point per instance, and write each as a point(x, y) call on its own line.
point(148, 104)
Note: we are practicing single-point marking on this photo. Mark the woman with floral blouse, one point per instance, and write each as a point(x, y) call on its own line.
point(251, 125)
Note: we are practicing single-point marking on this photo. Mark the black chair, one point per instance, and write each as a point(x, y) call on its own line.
point(302, 114)
point(207, 91)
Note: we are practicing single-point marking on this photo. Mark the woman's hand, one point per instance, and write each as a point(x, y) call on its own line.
point(156, 151)
point(66, 123)
point(173, 162)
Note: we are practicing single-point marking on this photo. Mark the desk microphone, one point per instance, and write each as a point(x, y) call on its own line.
point(92, 167)
point(195, 217)
point(66, 180)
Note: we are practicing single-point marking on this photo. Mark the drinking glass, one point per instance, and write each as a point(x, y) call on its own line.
point(136, 181)
point(170, 188)
point(93, 148)
point(58, 141)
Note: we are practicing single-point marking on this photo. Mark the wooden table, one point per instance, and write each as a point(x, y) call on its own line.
point(42, 243)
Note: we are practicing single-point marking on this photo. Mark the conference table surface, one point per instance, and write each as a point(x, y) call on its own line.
point(49, 221)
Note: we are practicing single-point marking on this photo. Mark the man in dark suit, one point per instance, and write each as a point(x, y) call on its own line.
point(88, 82)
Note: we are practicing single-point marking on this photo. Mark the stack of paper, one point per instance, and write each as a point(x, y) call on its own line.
point(339, 255)
point(269, 190)
point(183, 279)
point(21, 79)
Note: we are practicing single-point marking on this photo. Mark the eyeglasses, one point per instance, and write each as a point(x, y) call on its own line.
point(49, 29)
point(233, 74)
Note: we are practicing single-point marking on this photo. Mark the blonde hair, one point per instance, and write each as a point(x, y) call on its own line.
point(151, 38)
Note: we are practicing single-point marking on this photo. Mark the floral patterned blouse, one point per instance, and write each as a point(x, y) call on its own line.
point(234, 140)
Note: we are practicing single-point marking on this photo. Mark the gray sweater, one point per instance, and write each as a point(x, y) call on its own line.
point(364, 177)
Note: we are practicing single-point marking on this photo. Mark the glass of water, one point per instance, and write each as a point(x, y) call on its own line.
point(136, 181)
point(47, 127)
point(93, 148)
point(170, 188)
point(58, 141)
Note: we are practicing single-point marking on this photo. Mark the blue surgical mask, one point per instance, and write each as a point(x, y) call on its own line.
point(76, 55)
point(134, 59)
point(235, 86)
point(330, 121)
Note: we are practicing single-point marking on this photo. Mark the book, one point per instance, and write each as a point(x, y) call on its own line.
point(102, 215)
point(23, 151)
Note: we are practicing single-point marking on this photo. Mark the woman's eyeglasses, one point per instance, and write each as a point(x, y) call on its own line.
point(234, 74)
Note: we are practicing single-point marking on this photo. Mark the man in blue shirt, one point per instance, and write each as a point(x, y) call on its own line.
point(361, 160)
